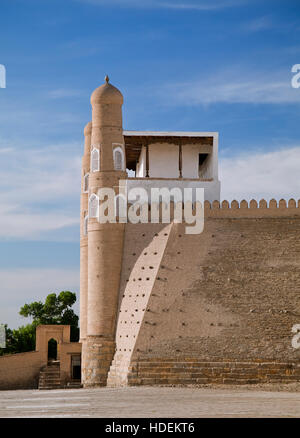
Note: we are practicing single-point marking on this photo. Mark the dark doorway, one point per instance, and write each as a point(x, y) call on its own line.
point(52, 349)
point(202, 165)
point(76, 367)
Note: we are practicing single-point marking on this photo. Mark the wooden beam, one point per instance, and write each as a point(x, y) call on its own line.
point(147, 160)
point(180, 159)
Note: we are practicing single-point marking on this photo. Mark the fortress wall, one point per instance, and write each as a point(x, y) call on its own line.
point(20, 371)
point(235, 209)
point(230, 293)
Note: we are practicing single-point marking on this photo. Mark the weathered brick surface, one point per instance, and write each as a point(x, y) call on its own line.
point(98, 355)
point(20, 371)
point(228, 296)
point(144, 247)
point(232, 292)
point(49, 377)
point(181, 373)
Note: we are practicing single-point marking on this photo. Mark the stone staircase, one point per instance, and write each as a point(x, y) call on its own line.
point(186, 371)
point(50, 376)
point(118, 372)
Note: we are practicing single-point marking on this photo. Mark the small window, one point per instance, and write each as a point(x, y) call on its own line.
point(118, 159)
point(85, 225)
point(86, 183)
point(94, 206)
point(95, 160)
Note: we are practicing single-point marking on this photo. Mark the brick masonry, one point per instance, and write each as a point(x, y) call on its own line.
point(184, 371)
point(228, 295)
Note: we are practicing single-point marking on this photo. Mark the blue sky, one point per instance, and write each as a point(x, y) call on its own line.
point(181, 65)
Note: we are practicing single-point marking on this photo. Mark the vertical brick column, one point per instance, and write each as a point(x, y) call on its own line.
point(105, 241)
point(83, 237)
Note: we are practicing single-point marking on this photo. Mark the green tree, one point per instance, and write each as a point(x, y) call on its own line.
point(19, 340)
point(56, 310)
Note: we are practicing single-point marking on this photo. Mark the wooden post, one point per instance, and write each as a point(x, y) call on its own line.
point(180, 159)
point(147, 160)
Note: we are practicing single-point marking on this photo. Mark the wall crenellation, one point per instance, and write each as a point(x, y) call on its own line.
point(233, 209)
point(253, 208)
point(253, 204)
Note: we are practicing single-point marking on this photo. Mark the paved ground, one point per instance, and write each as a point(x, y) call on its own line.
point(149, 402)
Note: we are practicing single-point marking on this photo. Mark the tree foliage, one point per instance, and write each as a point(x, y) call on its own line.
point(55, 310)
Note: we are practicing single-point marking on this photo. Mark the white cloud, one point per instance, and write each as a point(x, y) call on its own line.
point(260, 175)
point(6, 150)
point(234, 86)
point(258, 24)
point(20, 286)
point(39, 191)
point(269, 23)
point(61, 93)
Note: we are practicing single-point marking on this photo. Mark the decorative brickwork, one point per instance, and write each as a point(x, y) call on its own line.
point(252, 209)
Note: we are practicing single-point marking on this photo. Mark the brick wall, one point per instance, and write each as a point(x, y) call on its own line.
point(229, 293)
point(185, 371)
point(144, 247)
point(20, 371)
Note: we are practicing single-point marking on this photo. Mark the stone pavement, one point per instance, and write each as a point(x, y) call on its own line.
point(149, 402)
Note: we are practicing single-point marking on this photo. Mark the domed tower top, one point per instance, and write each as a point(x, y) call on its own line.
point(107, 94)
point(88, 128)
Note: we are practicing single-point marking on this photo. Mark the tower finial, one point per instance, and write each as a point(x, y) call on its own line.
point(106, 79)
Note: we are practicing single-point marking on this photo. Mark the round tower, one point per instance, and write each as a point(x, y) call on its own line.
point(85, 171)
point(105, 240)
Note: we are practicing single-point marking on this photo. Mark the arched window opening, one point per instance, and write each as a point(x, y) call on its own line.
point(94, 206)
point(95, 160)
point(118, 159)
point(85, 225)
point(86, 183)
point(52, 349)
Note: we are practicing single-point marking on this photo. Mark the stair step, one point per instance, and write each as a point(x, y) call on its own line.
point(74, 384)
point(50, 387)
point(49, 377)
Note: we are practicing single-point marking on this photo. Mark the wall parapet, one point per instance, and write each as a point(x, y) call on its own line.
point(224, 209)
point(253, 208)
point(24, 353)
